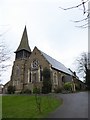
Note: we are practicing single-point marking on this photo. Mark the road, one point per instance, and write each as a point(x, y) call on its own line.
point(75, 105)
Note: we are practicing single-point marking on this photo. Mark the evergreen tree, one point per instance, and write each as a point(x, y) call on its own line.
point(47, 85)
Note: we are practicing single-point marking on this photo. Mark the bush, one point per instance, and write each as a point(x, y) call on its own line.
point(27, 91)
point(57, 90)
point(68, 86)
point(36, 90)
point(77, 86)
point(11, 89)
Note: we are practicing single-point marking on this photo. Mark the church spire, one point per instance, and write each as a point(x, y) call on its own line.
point(24, 45)
point(23, 50)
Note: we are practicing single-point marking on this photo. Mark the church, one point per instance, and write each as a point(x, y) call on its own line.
point(28, 66)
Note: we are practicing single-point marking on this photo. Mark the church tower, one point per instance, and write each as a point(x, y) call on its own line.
point(23, 50)
point(22, 55)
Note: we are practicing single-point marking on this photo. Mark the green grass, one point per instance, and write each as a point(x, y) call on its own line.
point(0, 107)
point(26, 107)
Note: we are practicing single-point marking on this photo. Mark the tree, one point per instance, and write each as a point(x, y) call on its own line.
point(38, 98)
point(68, 86)
point(83, 67)
point(4, 57)
point(88, 79)
point(11, 89)
point(86, 12)
point(47, 85)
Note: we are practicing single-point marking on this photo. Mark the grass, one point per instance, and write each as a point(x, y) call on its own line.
point(0, 107)
point(26, 107)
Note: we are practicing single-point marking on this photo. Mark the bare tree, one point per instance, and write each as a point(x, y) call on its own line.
point(4, 58)
point(82, 65)
point(82, 60)
point(86, 13)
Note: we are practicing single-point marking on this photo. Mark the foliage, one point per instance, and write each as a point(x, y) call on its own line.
point(25, 106)
point(83, 63)
point(68, 86)
point(58, 90)
point(88, 79)
point(77, 87)
point(36, 90)
point(26, 91)
point(38, 101)
point(37, 93)
point(11, 89)
point(46, 73)
point(47, 85)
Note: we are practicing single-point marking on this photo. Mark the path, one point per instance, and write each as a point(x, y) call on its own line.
point(75, 105)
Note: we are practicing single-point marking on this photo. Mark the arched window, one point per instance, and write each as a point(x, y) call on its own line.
point(63, 79)
point(29, 75)
point(17, 71)
point(40, 73)
point(55, 78)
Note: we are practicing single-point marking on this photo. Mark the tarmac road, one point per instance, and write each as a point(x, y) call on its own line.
point(75, 105)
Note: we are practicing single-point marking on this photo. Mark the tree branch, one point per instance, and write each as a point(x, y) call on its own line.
point(82, 4)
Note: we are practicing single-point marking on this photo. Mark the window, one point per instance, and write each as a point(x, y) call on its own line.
point(41, 75)
point(35, 63)
point(55, 78)
point(29, 75)
point(17, 71)
point(30, 78)
point(34, 77)
point(63, 79)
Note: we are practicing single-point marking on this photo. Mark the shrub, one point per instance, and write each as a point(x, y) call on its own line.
point(47, 85)
point(68, 86)
point(77, 86)
point(57, 90)
point(11, 89)
point(26, 91)
point(36, 90)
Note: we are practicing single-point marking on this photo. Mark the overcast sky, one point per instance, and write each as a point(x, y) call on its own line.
point(49, 28)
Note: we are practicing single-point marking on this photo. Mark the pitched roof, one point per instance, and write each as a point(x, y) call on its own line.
point(24, 45)
point(56, 64)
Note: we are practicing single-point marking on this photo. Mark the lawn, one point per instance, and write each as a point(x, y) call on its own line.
point(0, 107)
point(26, 107)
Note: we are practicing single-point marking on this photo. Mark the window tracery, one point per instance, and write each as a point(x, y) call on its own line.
point(35, 63)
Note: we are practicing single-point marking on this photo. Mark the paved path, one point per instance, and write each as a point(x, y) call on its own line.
point(75, 105)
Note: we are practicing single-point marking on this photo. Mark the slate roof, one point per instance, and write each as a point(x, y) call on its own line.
point(24, 45)
point(56, 64)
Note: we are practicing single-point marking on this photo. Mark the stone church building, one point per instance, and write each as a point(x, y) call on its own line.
point(28, 66)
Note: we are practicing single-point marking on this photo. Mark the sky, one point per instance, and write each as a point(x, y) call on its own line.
point(49, 28)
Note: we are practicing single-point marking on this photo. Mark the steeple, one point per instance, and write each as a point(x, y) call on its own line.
point(23, 50)
point(24, 45)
